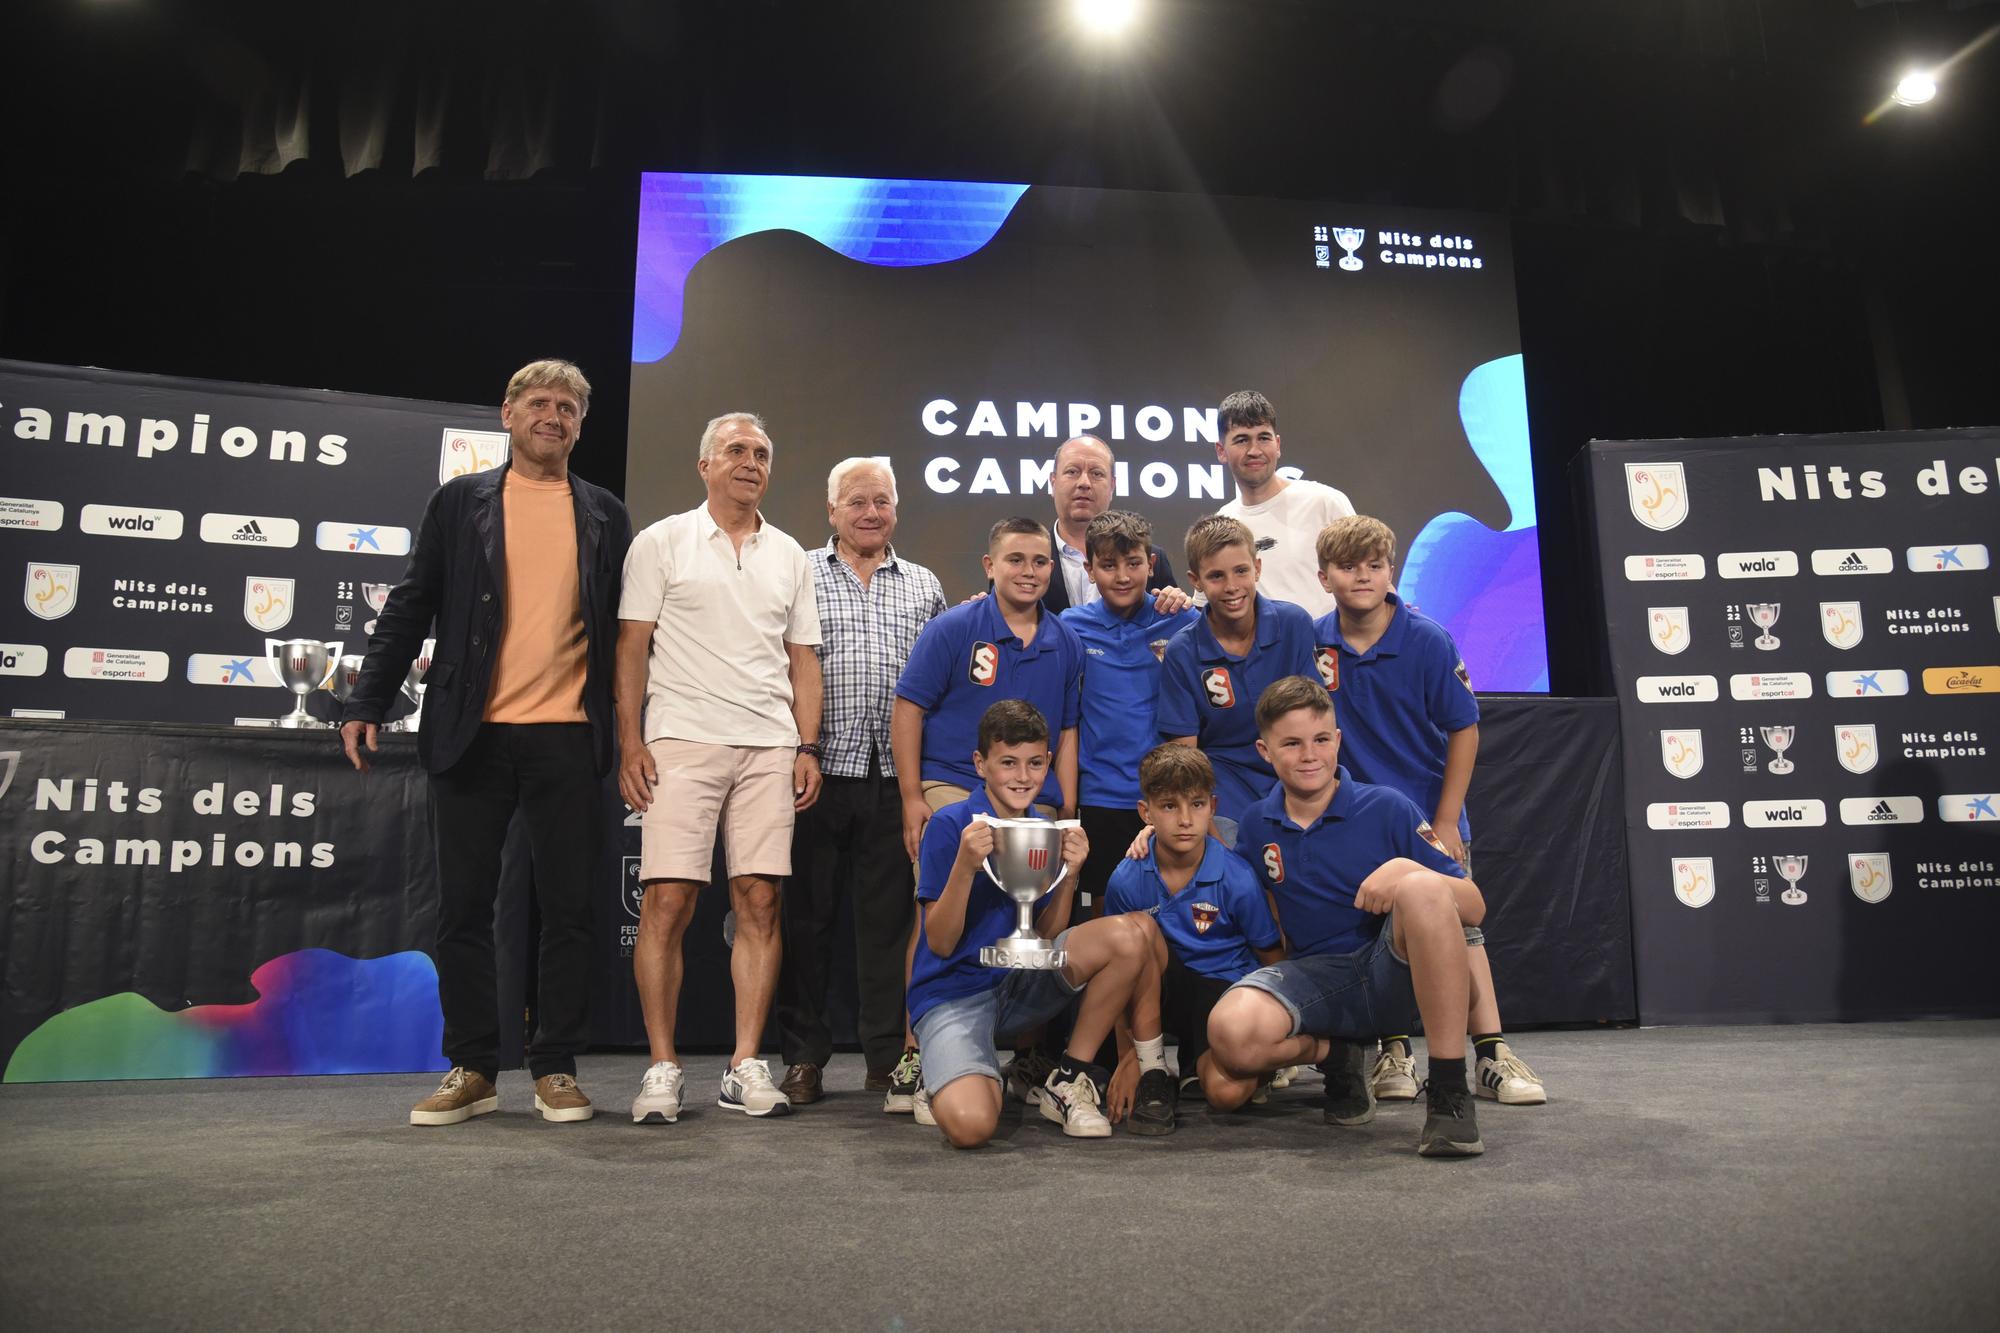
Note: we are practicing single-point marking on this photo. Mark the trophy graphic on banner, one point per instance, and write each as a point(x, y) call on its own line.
point(376, 595)
point(346, 675)
point(1780, 740)
point(413, 685)
point(1349, 239)
point(1763, 615)
point(1792, 869)
point(303, 665)
point(1026, 863)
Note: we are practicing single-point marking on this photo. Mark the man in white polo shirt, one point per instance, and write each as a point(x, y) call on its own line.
point(1284, 515)
point(718, 627)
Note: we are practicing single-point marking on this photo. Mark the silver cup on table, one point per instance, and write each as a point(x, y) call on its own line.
point(303, 665)
point(346, 675)
point(1026, 863)
point(413, 686)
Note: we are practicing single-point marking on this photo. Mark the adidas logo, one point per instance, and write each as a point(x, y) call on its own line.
point(249, 532)
point(1853, 564)
point(1882, 814)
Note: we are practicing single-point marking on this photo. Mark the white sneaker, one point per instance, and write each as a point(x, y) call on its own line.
point(1283, 1077)
point(748, 1088)
point(1394, 1077)
point(920, 1107)
point(659, 1099)
point(1075, 1106)
point(1507, 1079)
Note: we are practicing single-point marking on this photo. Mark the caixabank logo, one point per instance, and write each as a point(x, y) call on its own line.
point(1885, 683)
point(1969, 807)
point(1965, 557)
point(362, 538)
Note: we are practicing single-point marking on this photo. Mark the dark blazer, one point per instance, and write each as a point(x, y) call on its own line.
point(457, 577)
point(1056, 599)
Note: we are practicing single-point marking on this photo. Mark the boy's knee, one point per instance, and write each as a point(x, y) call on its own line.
point(969, 1131)
point(1232, 1029)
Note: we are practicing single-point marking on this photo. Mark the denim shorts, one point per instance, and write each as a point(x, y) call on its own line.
point(958, 1036)
point(1360, 994)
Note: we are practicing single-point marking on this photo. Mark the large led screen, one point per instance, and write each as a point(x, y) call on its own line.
point(964, 330)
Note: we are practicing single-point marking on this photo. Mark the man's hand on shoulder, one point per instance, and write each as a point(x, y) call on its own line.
point(1171, 600)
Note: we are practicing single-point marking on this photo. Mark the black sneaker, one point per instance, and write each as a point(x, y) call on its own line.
point(904, 1081)
point(1349, 1099)
point(1153, 1106)
point(1450, 1128)
point(1025, 1074)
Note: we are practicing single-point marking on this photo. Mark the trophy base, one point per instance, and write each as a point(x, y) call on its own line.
point(1780, 766)
point(295, 721)
point(1027, 955)
point(1793, 897)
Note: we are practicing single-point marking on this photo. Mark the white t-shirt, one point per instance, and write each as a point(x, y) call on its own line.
point(719, 672)
point(1287, 529)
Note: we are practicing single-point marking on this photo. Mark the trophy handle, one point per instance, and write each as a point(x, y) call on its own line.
point(335, 649)
point(271, 655)
point(1064, 824)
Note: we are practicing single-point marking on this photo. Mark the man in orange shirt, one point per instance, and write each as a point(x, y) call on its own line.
point(519, 567)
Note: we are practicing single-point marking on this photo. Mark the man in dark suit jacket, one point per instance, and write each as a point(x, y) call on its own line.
point(520, 568)
point(1083, 487)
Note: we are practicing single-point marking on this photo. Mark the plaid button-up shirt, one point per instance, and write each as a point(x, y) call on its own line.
point(865, 637)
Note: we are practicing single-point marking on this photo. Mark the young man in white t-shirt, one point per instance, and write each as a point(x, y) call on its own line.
point(1285, 515)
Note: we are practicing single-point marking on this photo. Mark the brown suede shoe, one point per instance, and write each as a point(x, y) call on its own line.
point(558, 1098)
point(461, 1096)
point(802, 1085)
point(878, 1081)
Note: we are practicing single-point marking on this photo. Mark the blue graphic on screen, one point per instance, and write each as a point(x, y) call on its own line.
point(892, 223)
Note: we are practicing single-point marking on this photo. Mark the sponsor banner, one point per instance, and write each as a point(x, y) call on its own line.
point(115, 664)
point(1968, 808)
point(1882, 810)
point(1881, 683)
point(250, 530)
point(23, 659)
point(222, 669)
point(1784, 814)
point(1675, 689)
point(160, 525)
point(25, 515)
point(1757, 564)
point(46, 714)
point(1771, 685)
point(1962, 680)
point(1963, 558)
point(1665, 568)
point(362, 538)
point(1687, 814)
point(1834, 561)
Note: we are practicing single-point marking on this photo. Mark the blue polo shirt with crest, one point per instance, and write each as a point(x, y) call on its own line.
point(1213, 923)
point(965, 661)
point(1397, 703)
point(1121, 687)
point(1211, 694)
point(1314, 872)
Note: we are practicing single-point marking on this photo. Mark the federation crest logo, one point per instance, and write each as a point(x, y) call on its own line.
point(1215, 683)
point(1205, 915)
point(1694, 880)
point(1854, 742)
point(1869, 876)
point(985, 665)
point(634, 896)
point(1680, 752)
point(1668, 626)
point(267, 603)
point(1274, 863)
point(1657, 493)
point(1841, 623)
point(468, 451)
point(9, 760)
point(51, 589)
point(1327, 659)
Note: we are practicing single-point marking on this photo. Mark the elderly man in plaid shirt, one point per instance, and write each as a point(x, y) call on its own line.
point(872, 602)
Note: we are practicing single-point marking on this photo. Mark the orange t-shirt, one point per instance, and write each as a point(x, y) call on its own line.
point(538, 674)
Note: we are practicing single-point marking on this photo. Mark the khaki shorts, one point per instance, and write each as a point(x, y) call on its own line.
point(746, 790)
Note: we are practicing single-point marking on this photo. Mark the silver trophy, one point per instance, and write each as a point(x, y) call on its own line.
point(303, 665)
point(1026, 863)
point(346, 675)
point(413, 686)
point(1792, 869)
point(1780, 740)
point(1763, 615)
point(1349, 239)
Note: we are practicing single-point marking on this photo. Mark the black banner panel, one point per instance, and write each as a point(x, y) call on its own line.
point(1805, 631)
point(164, 531)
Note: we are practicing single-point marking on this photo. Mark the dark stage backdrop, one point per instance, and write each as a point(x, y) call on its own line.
point(162, 529)
point(963, 330)
point(1806, 636)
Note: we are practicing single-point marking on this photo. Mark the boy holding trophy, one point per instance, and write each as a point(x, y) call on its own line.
point(984, 972)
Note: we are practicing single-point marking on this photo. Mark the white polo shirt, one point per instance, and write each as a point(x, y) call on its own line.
point(719, 673)
point(1287, 529)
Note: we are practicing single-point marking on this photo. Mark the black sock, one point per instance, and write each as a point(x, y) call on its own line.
point(1067, 1069)
point(1448, 1074)
point(1483, 1044)
point(1389, 1045)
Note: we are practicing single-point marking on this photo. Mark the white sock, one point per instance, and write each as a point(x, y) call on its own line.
point(1152, 1052)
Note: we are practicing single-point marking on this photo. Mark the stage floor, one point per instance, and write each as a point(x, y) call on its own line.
point(1836, 1177)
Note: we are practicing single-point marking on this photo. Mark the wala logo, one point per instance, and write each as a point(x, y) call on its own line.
point(1757, 564)
point(1694, 880)
point(1940, 559)
point(1868, 875)
point(1683, 815)
point(1882, 810)
point(1851, 560)
point(1215, 683)
point(267, 602)
point(1680, 751)
point(467, 451)
point(1784, 814)
point(161, 525)
point(1274, 863)
point(1841, 623)
point(1854, 742)
point(1665, 568)
point(1882, 684)
point(1657, 493)
point(23, 659)
point(984, 666)
point(1676, 689)
point(1669, 628)
point(1327, 658)
point(51, 589)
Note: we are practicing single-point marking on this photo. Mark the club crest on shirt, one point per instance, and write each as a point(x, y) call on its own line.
point(1204, 916)
point(1159, 647)
point(1429, 835)
point(1464, 676)
point(1221, 692)
point(985, 665)
point(1274, 863)
point(1327, 658)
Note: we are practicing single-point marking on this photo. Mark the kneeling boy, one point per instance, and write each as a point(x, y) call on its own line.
point(1215, 926)
point(1375, 915)
point(959, 1007)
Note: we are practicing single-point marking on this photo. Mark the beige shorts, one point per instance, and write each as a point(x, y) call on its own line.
point(746, 790)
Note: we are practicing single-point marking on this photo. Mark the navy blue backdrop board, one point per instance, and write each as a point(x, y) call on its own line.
point(1805, 633)
point(161, 529)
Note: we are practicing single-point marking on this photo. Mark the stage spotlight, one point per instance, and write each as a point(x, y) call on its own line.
point(1105, 16)
point(1915, 88)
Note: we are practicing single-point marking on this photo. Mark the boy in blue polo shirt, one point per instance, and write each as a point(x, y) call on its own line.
point(1374, 913)
point(1215, 669)
point(960, 1007)
point(1409, 721)
point(1215, 926)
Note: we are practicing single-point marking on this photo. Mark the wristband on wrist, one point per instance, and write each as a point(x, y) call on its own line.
point(812, 750)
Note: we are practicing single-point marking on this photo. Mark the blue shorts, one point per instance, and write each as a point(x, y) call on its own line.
point(958, 1036)
point(1360, 994)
